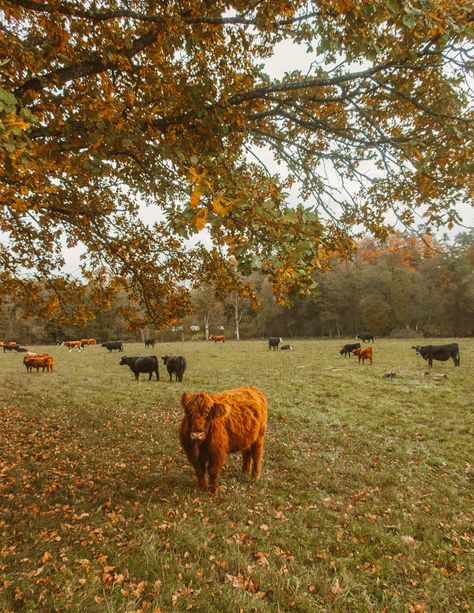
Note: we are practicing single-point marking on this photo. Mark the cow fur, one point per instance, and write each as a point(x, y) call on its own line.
point(38, 361)
point(366, 337)
point(348, 349)
point(364, 354)
point(175, 365)
point(439, 352)
point(215, 425)
point(112, 345)
point(146, 364)
point(273, 342)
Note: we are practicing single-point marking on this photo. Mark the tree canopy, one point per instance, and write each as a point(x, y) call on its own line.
point(109, 106)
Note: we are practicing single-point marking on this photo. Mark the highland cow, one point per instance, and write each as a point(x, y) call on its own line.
point(215, 425)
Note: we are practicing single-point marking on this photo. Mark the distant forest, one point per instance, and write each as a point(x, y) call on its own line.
point(405, 287)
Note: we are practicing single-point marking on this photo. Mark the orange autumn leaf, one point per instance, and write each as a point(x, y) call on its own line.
point(195, 198)
point(200, 219)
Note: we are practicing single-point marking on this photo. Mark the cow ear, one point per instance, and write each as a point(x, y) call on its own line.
point(219, 410)
point(185, 400)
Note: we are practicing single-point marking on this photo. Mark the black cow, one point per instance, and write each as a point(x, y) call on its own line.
point(366, 337)
point(111, 345)
point(150, 342)
point(348, 349)
point(147, 363)
point(20, 349)
point(273, 342)
point(175, 365)
point(9, 348)
point(288, 347)
point(441, 353)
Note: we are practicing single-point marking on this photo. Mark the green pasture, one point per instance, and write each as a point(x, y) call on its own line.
point(365, 502)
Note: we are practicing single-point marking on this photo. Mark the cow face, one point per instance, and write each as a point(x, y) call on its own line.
point(417, 349)
point(125, 361)
point(165, 358)
point(200, 410)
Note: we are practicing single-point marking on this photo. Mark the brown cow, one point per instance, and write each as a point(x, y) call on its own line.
point(215, 425)
point(73, 344)
point(38, 361)
point(364, 354)
point(217, 339)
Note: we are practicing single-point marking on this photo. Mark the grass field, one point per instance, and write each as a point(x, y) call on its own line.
point(365, 502)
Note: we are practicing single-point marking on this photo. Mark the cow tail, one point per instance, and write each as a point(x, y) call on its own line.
point(458, 359)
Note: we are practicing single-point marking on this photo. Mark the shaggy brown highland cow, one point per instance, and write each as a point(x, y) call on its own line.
point(215, 425)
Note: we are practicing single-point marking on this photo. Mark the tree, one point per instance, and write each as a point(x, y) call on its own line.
point(205, 306)
point(106, 106)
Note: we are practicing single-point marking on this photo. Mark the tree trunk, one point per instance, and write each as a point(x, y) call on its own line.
point(238, 317)
point(206, 325)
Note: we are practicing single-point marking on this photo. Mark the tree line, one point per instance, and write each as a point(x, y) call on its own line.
point(405, 286)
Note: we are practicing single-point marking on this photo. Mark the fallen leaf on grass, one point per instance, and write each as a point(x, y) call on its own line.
point(336, 588)
point(409, 540)
point(262, 559)
point(241, 582)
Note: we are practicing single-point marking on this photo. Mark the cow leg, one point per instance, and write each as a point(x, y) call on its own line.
point(247, 456)
point(200, 470)
point(136, 376)
point(215, 466)
point(257, 454)
point(150, 375)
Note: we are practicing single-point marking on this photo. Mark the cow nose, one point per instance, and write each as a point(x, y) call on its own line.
point(197, 436)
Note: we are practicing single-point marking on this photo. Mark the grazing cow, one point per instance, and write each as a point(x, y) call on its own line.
point(175, 365)
point(148, 363)
point(286, 347)
point(364, 354)
point(72, 345)
point(442, 353)
point(348, 349)
point(88, 341)
point(112, 345)
point(150, 342)
point(38, 361)
point(20, 349)
point(215, 425)
point(366, 337)
point(273, 342)
point(217, 338)
point(10, 347)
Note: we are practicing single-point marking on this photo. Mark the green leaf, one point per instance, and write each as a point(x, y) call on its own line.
point(393, 6)
point(409, 21)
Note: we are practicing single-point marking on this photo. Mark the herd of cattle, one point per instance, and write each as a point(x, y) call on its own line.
point(176, 365)
point(215, 425)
